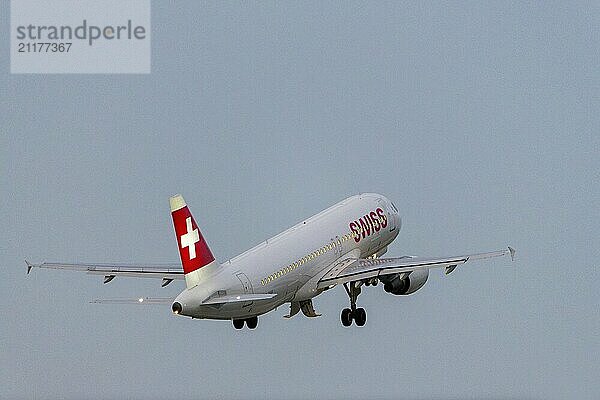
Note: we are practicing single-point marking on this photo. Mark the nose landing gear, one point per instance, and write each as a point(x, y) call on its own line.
point(359, 315)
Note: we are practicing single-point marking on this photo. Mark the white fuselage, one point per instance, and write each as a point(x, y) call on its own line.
point(291, 263)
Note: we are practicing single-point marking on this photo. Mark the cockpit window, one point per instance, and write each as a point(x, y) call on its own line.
point(394, 207)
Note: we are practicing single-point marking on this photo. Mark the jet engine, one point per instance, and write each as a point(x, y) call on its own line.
point(410, 284)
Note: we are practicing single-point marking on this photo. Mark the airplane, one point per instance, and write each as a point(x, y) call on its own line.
point(341, 245)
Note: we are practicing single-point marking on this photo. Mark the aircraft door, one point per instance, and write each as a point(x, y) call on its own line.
point(338, 246)
point(389, 215)
point(246, 284)
point(392, 220)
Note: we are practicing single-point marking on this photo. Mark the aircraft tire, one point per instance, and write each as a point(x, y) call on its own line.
point(360, 317)
point(346, 317)
point(238, 323)
point(251, 323)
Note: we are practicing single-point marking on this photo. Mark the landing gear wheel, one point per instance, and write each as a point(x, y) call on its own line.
point(346, 317)
point(251, 323)
point(238, 323)
point(360, 316)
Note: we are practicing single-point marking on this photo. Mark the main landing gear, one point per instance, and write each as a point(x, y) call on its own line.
point(251, 323)
point(359, 315)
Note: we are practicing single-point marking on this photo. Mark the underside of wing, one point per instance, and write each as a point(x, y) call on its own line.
point(166, 272)
point(355, 269)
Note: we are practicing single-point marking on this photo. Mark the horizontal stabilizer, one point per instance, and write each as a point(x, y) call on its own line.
point(139, 300)
point(238, 298)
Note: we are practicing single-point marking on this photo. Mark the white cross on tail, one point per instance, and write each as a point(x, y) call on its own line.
point(190, 238)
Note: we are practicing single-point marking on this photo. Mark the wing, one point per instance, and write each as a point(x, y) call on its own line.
point(166, 272)
point(355, 269)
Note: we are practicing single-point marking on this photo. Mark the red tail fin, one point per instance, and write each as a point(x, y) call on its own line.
point(193, 249)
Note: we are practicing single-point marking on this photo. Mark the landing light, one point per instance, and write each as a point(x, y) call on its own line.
point(140, 299)
point(238, 297)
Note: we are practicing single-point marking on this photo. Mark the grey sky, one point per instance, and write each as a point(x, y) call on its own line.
point(479, 120)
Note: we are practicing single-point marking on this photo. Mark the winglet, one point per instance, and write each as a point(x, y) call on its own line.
point(512, 253)
point(29, 266)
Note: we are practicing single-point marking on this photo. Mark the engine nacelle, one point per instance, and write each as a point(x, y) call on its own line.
point(413, 282)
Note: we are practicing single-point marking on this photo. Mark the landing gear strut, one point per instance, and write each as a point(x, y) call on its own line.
point(359, 315)
point(251, 323)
